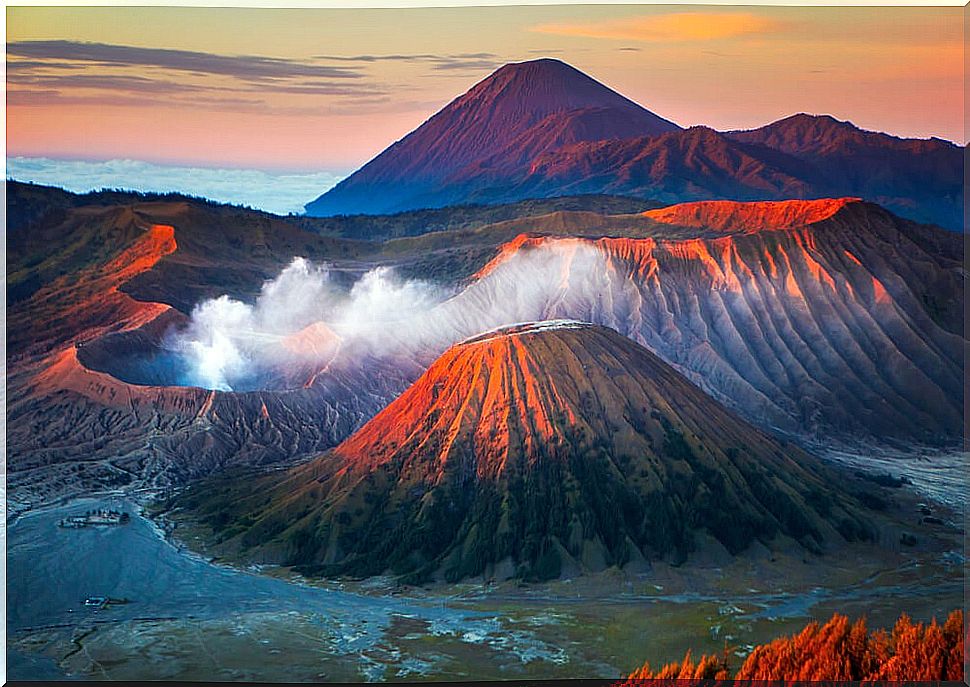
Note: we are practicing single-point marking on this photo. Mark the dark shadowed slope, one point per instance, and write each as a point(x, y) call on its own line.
point(917, 178)
point(463, 217)
point(698, 163)
point(514, 114)
point(531, 451)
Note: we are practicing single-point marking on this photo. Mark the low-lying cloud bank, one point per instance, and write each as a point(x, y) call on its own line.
point(277, 192)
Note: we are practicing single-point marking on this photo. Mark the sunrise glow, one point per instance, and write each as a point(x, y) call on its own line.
point(310, 90)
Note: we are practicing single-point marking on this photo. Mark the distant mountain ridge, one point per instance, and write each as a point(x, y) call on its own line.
point(543, 129)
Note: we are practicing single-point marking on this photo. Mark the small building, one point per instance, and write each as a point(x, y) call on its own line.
point(96, 518)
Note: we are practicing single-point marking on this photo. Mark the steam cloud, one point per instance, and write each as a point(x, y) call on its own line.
point(230, 344)
point(303, 320)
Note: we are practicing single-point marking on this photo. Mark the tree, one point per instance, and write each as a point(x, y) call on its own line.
point(838, 650)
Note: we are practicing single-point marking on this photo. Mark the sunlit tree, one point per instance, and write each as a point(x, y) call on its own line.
point(837, 650)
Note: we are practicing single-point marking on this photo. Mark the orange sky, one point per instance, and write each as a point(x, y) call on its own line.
point(327, 89)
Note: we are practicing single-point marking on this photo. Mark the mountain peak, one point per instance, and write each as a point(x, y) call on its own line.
point(543, 86)
point(524, 328)
point(803, 133)
point(803, 121)
point(538, 67)
point(824, 120)
point(516, 113)
point(542, 62)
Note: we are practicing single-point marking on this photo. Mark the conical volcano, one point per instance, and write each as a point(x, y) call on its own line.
point(532, 450)
point(510, 117)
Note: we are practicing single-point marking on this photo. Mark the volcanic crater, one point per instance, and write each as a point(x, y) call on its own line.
point(158, 354)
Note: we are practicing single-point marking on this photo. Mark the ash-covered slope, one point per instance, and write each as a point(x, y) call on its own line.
point(94, 283)
point(508, 118)
point(830, 319)
point(534, 450)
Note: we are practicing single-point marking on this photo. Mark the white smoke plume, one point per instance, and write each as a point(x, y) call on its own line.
point(229, 344)
point(303, 320)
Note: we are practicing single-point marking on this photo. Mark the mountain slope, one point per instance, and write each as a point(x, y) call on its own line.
point(827, 319)
point(518, 111)
point(528, 451)
point(921, 179)
point(801, 157)
point(542, 129)
point(698, 163)
point(94, 283)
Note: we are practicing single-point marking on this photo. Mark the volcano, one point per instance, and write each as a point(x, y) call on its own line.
point(95, 399)
point(831, 321)
point(542, 129)
point(531, 451)
point(825, 318)
point(507, 119)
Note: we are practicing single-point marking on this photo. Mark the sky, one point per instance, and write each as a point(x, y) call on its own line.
point(321, 91)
